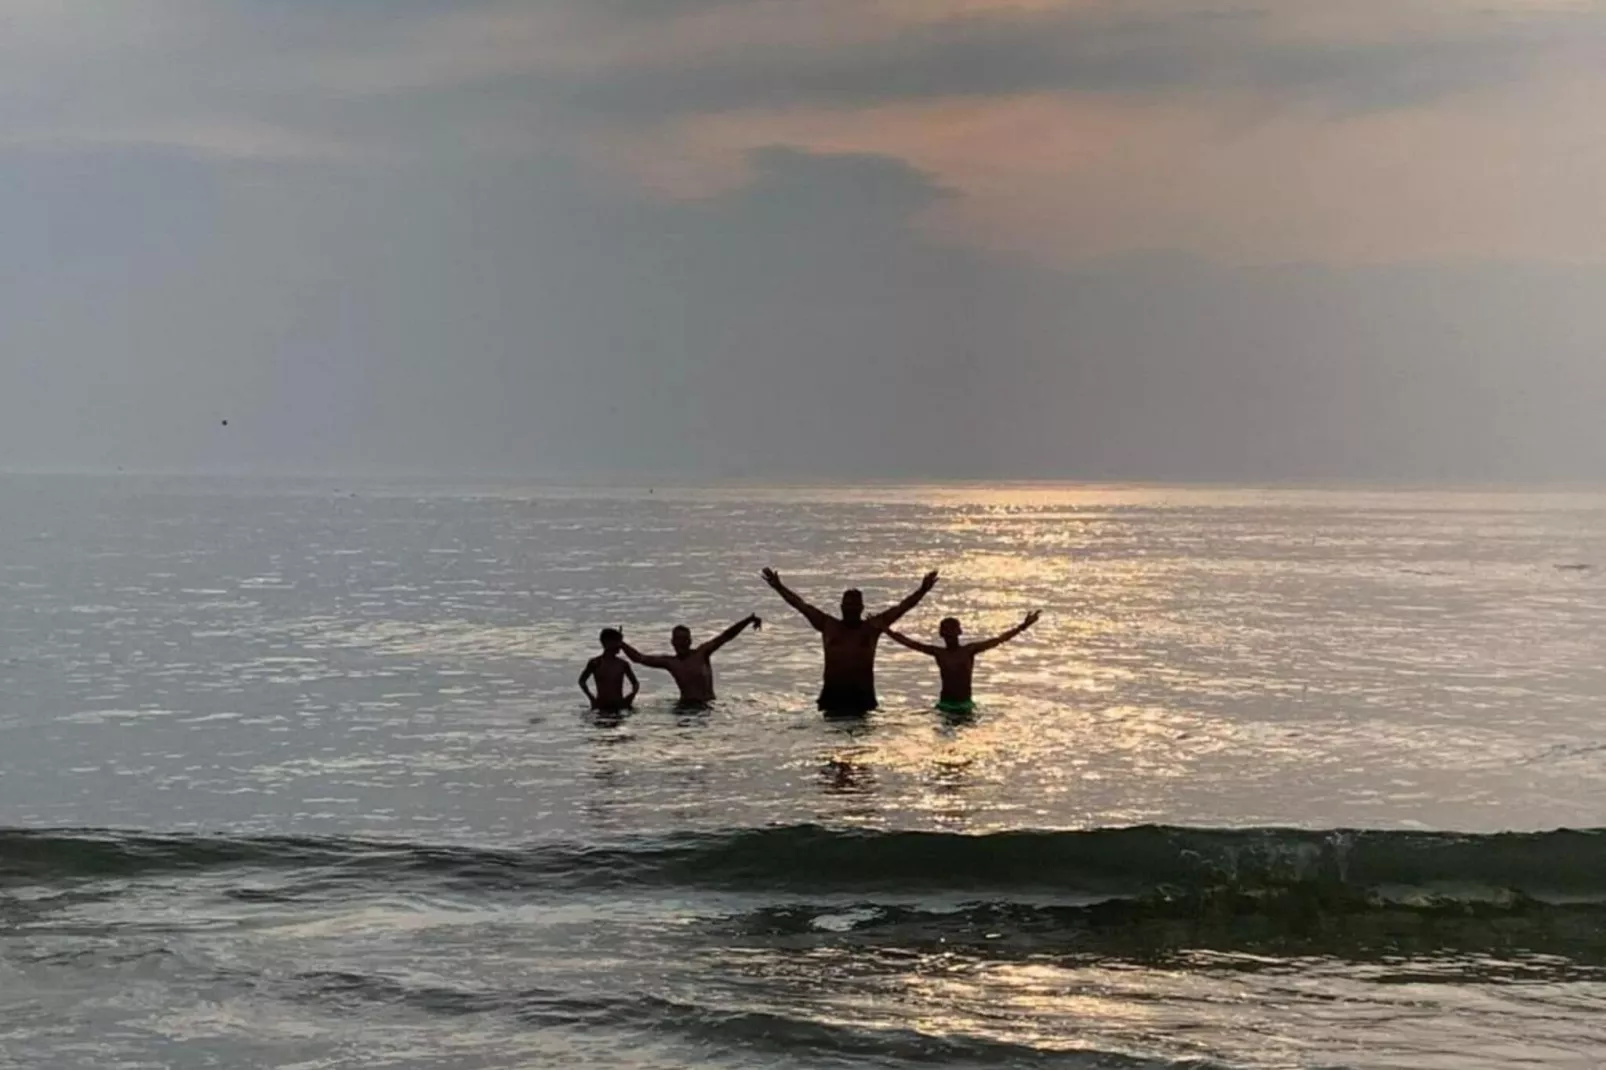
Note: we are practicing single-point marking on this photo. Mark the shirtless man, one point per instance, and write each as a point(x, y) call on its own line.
point(956, 661)
point(610, 671)
point(850, 644)
point(689, 665)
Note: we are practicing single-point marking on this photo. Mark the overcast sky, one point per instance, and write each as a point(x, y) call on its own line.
point(1162, 239)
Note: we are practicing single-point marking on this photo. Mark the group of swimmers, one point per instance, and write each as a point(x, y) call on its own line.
point(850, 648)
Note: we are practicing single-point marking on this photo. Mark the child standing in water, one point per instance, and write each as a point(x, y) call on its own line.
point(610, 671)
point(956, 661)
point(690, 665)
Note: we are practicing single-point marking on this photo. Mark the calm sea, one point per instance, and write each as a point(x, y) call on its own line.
point(296, 774)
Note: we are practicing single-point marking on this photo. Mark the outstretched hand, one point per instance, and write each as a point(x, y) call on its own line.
point(757, 622)
point(772, 578)
point(929, 580)
point(1031, 618)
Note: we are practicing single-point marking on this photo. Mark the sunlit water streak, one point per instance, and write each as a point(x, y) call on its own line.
point(396, 664)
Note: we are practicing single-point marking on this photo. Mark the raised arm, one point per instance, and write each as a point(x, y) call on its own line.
point(819, 618)
point(652, 661)
point(585, 676)
point(904, 640)
point(729, 633)
point(1000, 640)
point(887, 617)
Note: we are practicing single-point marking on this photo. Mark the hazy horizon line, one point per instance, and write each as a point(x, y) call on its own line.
point(671, 481)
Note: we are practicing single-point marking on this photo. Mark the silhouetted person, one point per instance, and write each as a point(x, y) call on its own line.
point(689, 665)
point(610, 671)
point(956, 661)
point(850, 643)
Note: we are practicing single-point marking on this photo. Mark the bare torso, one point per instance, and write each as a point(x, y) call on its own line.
point(957, 665)
point(609, 676)
point(694, 675)
point(850, 650)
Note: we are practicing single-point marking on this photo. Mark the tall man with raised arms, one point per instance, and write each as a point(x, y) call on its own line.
point(850, 644)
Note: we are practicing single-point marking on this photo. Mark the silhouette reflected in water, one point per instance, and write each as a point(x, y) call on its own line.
point(605, 802)
point(843, 775)
point(692, 714)
point(608, 719)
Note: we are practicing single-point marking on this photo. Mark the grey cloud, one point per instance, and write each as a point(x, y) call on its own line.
point(1089, 51)
point(178, 73)
point(427, 306)
point(994, 60)
point(513, 317)
point(1397, 74)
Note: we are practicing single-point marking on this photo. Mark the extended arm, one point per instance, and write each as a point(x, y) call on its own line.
point(586, 676)
point(887, 617)
point(820, 619)
point(652, 661)
point(728, 634)
point(904, 640)
point(1000, 640)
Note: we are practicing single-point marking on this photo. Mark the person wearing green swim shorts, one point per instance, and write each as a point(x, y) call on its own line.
point(956, 661)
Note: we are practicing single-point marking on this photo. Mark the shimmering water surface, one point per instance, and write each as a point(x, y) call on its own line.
point(297, 774)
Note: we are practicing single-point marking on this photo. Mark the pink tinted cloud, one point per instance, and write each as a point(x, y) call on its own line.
point(1231, 176)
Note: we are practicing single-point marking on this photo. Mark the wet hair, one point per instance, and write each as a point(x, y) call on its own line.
point(611, 635)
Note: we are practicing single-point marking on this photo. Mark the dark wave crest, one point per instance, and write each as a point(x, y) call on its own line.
point(789, 1031)
point(1146, 862)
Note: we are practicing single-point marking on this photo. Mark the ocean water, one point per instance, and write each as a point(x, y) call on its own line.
point(296, 774)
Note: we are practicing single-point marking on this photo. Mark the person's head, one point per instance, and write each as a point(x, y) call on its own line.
point(680, 639)
point(611, 639)
point(950, 630)
point(852, 604)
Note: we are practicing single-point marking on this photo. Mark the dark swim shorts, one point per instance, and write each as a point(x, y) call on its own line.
point(846, 702)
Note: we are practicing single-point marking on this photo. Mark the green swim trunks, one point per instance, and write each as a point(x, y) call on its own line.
point(956, 707)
